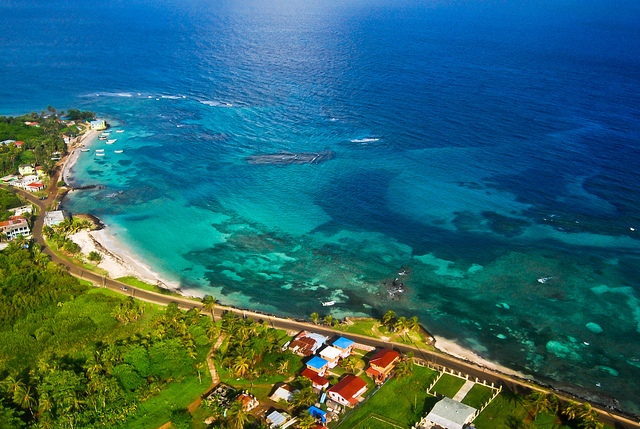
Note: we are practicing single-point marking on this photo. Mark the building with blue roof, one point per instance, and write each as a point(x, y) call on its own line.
point(317, 413)
point(318, 364)
point(345, 345)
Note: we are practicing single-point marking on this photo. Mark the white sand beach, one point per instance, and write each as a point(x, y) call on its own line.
point(452, 348)
point(86, 138)
point(115, 260)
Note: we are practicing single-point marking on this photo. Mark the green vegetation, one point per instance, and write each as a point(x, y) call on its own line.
point(77, 357)
point(478, 396)
point(400, 402)
point(8, 200)
point(41, 136)
point(448, 385)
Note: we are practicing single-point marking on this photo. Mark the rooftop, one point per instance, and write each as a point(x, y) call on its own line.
point(317, 362)
point(450, 414)
point(330, 353)
point(384, 358)
point(348, 387)
point(343, 343)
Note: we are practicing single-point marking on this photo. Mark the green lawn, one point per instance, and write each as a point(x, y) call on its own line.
point(156, 411)
point(448, 385)
point(400, 401)
point(501, 411)
point(360, 326)
point(478, 396)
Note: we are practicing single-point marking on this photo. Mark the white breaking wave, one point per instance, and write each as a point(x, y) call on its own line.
point(214, 103)
point(367, 140)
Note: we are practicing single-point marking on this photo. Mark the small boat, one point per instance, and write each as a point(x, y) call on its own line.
point(111, 141)
point(106, 133)
point(85, 150)
point(118, 151)
point(119, 131)
point(99, 150)
point(102, 138)
point(328, 303)
point(100, 154)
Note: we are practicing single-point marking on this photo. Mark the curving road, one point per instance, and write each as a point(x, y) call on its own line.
point(431, 357)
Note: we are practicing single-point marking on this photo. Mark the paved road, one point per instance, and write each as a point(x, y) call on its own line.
point(433, 358)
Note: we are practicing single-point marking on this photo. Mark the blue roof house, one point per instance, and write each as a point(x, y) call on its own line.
point(318, 364)
point(317, 413)
point(345, 346)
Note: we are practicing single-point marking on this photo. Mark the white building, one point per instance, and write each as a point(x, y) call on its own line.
point(15, 227)
point(99, 125)
point(448, 414)
point(19, 211)
point(54, 218)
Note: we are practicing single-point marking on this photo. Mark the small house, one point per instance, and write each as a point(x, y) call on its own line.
point(283, 393)
point(348, 391)
point(448, 414)
point(99, 125)
point(331, 355)
point(382, 364)
point(276, 419)
point(345, 346)
point(307, 343)
point(33, 187)
point(26, 170)
point(318, 414)
point(14, 227)
point(54, 218)
point(249, 402)
point(317, 381)
point(318, 365)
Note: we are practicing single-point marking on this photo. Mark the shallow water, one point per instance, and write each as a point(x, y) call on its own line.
point(480, 147)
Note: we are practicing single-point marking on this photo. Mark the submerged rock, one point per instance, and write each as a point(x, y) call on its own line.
point(594, 327)
point(287, 158)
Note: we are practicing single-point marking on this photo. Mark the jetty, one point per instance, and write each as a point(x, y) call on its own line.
point(287, 158)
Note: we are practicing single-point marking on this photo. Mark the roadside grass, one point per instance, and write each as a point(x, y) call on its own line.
point(448, 385)
point(133, 281)
point(400, 401)
point(477, 396)
point(503, 414)
point(374, 328)
point(76, 261)
point(156, 411)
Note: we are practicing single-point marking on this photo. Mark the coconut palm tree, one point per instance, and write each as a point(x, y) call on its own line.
point(328, 320)
point(571, 410)
point(209, 305)
point(401, 325)
point(388, 317)
point(241, 365)
point(538, 402)
point(237, 416)
point(304, 398)
point(23, 397)
point(306, 421)
point(314, 318)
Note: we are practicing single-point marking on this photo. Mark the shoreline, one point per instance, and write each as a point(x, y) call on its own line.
point(89, 136)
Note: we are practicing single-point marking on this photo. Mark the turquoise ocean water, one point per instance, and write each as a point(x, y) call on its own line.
point(480, 147)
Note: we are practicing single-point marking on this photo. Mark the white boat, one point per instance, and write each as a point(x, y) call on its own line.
point(106, 133)
point(85, 150)
point(328, 303)
point(100, 154)
point(111, 141)
point(119, 131)
point(102, 138)
point(99, 150)
point(118, 151)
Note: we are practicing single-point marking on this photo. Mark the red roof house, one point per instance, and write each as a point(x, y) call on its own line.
point(382, 364)
point(32, 187)
point(317, 381)
point(348, 391)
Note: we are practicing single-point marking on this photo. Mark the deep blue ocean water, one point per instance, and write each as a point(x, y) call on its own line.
point(480, 145)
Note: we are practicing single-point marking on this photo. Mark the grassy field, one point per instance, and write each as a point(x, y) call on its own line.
point(448, 385)
point(503, 413)
point(398, 403)
point(373, 328)
point(478, 396)
point(156, 411)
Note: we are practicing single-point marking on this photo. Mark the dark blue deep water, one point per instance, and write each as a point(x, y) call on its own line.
point(481, 145)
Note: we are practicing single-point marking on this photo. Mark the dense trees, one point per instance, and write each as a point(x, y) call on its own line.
point(66, 362)
point(40, 141)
